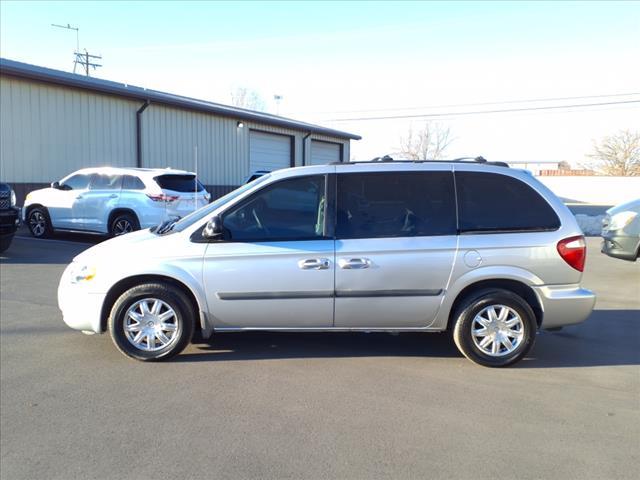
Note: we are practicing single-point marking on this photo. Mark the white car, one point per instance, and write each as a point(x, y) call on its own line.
point(113, 201)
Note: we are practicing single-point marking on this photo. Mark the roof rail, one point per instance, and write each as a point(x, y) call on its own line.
point(388, 158)
point(480, 159)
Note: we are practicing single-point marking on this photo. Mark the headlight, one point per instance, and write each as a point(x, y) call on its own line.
point(13, 198)
point(81, 273)
point(621, 220)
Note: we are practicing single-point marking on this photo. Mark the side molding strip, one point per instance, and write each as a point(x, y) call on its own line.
point(327, 294)
point(272, 295)
point(387, 293)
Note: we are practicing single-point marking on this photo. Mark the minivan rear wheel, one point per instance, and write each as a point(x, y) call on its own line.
point(152, 321)
point(494, 328)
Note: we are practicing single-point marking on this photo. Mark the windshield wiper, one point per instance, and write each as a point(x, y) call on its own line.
point(164, 227)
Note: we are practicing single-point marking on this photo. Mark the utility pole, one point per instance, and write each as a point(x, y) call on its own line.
point(85, 59)
point(82, 58)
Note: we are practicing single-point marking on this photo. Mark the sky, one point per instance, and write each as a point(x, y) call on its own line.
point(340, 63)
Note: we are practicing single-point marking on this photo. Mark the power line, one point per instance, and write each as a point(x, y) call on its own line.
point(477, 104)
point(482, 112)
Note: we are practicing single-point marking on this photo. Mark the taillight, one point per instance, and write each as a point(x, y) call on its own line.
point(163, 198)
point(573, 250)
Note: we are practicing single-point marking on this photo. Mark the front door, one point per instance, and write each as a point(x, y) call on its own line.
point(396, 242)
point(275, 266)
point(65, 204)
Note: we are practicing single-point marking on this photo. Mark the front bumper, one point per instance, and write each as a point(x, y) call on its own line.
point(620, 246)
point(81, 309)
point(9, 221)
point(564, 304)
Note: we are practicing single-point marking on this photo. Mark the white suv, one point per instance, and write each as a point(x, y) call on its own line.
point(113, 200)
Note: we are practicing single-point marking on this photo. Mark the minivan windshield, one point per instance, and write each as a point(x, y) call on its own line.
point(205, 211)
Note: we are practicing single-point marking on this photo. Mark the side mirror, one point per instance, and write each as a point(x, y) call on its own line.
point(55, 185)
point(213, 229)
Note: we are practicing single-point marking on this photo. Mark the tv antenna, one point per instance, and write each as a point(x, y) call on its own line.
point(83, 58)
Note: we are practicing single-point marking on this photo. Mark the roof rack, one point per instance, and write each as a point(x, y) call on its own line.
point(389, 158)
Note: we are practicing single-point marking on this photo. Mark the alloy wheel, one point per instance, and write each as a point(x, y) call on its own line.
point(122, 226)
point(37, 223)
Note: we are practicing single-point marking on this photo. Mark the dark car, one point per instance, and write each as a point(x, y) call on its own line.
point(9, 216)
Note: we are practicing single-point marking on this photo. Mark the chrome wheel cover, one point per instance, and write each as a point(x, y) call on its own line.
point(37, 223)
point(122, 226)
point(497, 330)
point(151, 325)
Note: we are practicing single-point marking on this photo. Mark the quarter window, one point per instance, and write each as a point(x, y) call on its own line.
point(293, 209)
point(490, 202)
point(129, 182)
point(395, 204)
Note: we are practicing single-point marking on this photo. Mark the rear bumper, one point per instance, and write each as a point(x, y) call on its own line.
point(564, 304)
point(620, 246)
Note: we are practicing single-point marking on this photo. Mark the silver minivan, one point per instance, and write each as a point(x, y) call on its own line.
point(477, 249)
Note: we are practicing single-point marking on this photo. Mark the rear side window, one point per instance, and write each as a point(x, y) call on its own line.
point(105, 182)
point(395, 204)
point(77, 182)
point(130, 182)
point(490, 202)
point(179, 183)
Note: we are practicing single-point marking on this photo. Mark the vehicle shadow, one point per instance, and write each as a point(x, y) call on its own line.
point(32, 251)
point(608, 337)
point(280, 345)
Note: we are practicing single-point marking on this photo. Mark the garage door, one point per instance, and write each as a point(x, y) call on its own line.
point(269, 152)
point(324, 152)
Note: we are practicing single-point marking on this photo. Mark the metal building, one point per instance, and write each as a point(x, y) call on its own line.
point(53, 123)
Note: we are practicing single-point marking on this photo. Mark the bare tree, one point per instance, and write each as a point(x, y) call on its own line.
point(430, 142)
point(564, 165)
point(617, 154)
point(244, 97)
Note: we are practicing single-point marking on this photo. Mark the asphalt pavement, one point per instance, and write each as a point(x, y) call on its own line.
point(353, 406)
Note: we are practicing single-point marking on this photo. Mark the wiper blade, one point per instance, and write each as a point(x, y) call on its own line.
point(159, 227)
point(166, 227)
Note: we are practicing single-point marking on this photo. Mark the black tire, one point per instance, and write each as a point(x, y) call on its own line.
point(39, 222)
point(123, 223)
point(465, 317)
point(171, 297)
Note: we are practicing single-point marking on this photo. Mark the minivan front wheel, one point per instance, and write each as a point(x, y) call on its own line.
point(495, 328)
point(153, 321)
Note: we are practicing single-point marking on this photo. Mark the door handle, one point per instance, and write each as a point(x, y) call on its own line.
point(354, 263)
point(314, 264)
point(78, 197)
point(113, 195)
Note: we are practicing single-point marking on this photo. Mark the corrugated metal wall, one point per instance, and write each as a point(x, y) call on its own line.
point(170, 135)
point(48, 131)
